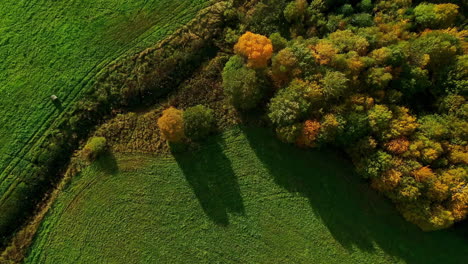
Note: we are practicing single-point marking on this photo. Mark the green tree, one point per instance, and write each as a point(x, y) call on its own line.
point(379, 118)
point(428, 15)
point(335, 84)
point(278, 41)
point(290, 104)
point(242, 86)
point(198, 122)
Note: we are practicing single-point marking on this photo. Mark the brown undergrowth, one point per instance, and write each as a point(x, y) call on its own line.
point(138, 131)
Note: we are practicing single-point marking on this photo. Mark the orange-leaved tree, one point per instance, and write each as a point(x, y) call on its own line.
point(309, 133)
point(171, 124)
point(256, 48)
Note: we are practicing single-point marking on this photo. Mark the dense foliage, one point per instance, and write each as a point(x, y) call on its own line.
point(385, 81)
point(198, 122)
point(95, 147)
point(242, 85)
point(171, 125)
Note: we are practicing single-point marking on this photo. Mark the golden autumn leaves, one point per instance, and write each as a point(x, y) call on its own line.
point(256, 48)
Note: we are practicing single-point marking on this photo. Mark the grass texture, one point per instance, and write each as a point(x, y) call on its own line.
point(242, 197)
point(58, 47)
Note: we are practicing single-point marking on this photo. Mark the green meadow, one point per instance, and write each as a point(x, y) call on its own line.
point(57, 48)
point(240, 197)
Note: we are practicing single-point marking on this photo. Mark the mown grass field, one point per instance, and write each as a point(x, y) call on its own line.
point(58, 47)
point(243, 197)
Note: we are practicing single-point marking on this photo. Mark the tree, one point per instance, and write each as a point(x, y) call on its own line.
point(402, 124)
point(398, 145)
point(424, 174)
point(242, 86)
point(289, 133)
point(429, 15)
point(309, 133)
point(198, 122)
point(290, 104)
point(346, 40)
point(375, 164)
point(295, 11)
point(379, 118)
point(171, 125)
point(434, 127)
point(331, 126)
point(335, 84)
point(356, 127)
point(285, 66)
point(278, 41)
point(439, 49)
point(257, 49)
point(388, 181)
point(324, 51)
point(378, 78)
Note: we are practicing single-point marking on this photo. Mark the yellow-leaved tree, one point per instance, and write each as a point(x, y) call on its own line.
point(171, 124)
point(256, 48)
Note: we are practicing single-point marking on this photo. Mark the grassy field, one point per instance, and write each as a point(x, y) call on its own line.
point(57, 47)
point(243, 197)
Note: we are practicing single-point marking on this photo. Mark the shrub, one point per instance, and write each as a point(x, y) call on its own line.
point(241, 85)
point(198, 122)
point(94, 147)
point(257, 49)
point(171, 125)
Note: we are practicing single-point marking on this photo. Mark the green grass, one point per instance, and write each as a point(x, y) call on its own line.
point(243, 197)
point(58, 47)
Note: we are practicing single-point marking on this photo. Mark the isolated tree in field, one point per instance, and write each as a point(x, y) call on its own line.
point(257, 49)
point(241, 84)
point(171, 124)
point(198, 121)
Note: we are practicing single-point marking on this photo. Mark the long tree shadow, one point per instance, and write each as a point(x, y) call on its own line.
point(107, 163)
point(210, 175)
point(356, 216)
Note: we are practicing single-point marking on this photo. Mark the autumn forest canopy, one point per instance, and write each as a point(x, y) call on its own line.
point(384, 81)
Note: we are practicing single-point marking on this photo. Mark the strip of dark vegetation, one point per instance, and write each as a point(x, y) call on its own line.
point(133, 82)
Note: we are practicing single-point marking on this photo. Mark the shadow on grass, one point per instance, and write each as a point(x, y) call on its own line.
point(107, 163)
point(58, 104)
point(356, 216)
point(210, 175)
